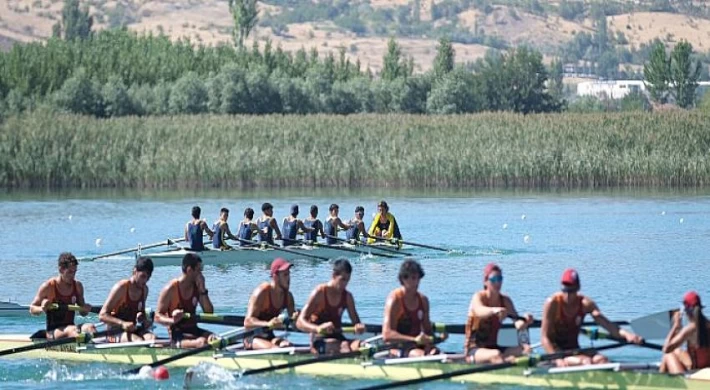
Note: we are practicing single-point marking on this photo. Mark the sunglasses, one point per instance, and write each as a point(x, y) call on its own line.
point(496, 279)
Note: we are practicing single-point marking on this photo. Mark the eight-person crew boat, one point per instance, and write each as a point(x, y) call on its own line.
point(266, 304)
point(322, 314)
point(63, 289)
point(488, 308)
point(125, 306)
point(562, 318)
point(182, 296)
point(696, 335)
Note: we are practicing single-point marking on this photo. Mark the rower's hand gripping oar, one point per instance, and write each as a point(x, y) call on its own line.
point(81, 338)
point(220, 342)
point(595, 334)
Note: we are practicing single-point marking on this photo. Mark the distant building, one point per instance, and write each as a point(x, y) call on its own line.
point(610, 89)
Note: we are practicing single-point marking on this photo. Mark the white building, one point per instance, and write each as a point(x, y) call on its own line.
point(610, 89)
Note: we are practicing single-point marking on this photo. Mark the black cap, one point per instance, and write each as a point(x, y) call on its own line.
point(294, 209)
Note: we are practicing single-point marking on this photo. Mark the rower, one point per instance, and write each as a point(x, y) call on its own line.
point(314, 223)
point(267, 225)
point(247, 227)
point(62, 289)
point(181, 296)
point(384, 225)
point(406, 316)
point(488, 308)
point(195, 230)
point(266, 304)
point(696, 335)
point(322, 314)
point(357, 231)
point(125, 306)
point(332, 223)
point(290, 227)
point(562, 318)
point(221, 231)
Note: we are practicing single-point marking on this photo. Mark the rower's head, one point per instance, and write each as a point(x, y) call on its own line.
point(196, 212)
point(334, 209)
point(249, 213)
point(294, 210)
point(143, 270)
point(492, 277)
point(692, 305)
point(67, 266)
point(267, 209)
point(570, 281)
point(341, 273)
point(281, 273)
point(359, 212)
point(191, 265)
point(224, 214)
point(410, 273)
point(314, 211)
point(382, 207)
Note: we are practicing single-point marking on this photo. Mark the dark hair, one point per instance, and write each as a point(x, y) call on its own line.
point(342, 266)
point(196, 211)
point(66, 259)
point(266, 206)
point(190, 260)
point(249, 212)
point(702, 327)
point(144, 264)
point(359, 208)
point(409, 268)
point(333, 207)
point(383, 204)
point(314, 210)
point(224, 210)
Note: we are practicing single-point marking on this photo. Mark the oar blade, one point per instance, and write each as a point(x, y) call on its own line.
point(655, 326)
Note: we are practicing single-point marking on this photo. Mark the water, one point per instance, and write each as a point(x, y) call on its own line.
point(637, 253)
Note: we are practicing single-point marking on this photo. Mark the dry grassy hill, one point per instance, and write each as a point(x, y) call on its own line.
point(209, 22)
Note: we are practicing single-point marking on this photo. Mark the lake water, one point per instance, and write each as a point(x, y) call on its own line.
point(637, 252)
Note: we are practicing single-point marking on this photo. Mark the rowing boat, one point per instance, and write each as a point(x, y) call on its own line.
point(13, 309)
point(611, 376)
point(256, 254)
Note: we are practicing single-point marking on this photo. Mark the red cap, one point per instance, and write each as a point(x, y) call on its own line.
point(490, 268)
point(279, 264)
point(570, 277)
point(691, 299)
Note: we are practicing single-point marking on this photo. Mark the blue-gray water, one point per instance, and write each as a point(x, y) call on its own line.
point(636, 252)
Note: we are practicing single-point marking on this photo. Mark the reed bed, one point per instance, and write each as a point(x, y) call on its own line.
point(46, 149)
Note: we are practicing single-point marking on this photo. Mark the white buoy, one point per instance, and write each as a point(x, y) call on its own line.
point(505, 226)
point(681, 220)
point(99, 241)
point(663, 213)
point(526, 239)
point(145, 372)
point(69, 217)
point(132, 230)
point(523, 217)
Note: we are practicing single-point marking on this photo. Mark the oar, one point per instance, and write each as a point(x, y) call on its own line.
point(77, 308)
point(223, 340)
point(339, 248)
point(523, 361)
point(436, 248)
point(372, 247)
point(157, 244)
point(81, 338)
point(278, 248)
point(218, 319)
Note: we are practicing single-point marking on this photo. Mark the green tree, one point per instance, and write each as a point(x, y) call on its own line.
point(635, 101)
point(76, 23)
point(394, 66)
point(244, 16)
point(555, 85)
point(117, 101)
point(445, 56)
point(684, 74)
point(453, 94)
point(657, 73)
point(188, 95)
point(80, 95)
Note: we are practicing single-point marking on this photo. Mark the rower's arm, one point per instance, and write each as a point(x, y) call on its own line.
point(426, 321)
point(42, 294)
point(481, 310)
point(303, 227)
point(613, 329)
point(114, 298)
point(352, 312)
point(545, 327)
point(228, 232)
point(204, 298)
point(339, 223)
point(320, 228)
point(207, 229)
point(162, 311)
point(255, 301)
point(86, 308)
point(676, 337)
point(521, 322)
point(275, 226)
point(187, 237)
point(389, 323)
point(361, 228)
point(303, 323)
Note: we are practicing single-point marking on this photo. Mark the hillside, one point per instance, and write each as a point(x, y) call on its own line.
point(362, 27)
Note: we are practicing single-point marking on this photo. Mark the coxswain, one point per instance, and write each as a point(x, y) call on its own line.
point(696, 336)
point(384, 225)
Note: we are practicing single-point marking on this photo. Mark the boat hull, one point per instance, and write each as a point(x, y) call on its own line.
point(353, 368)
